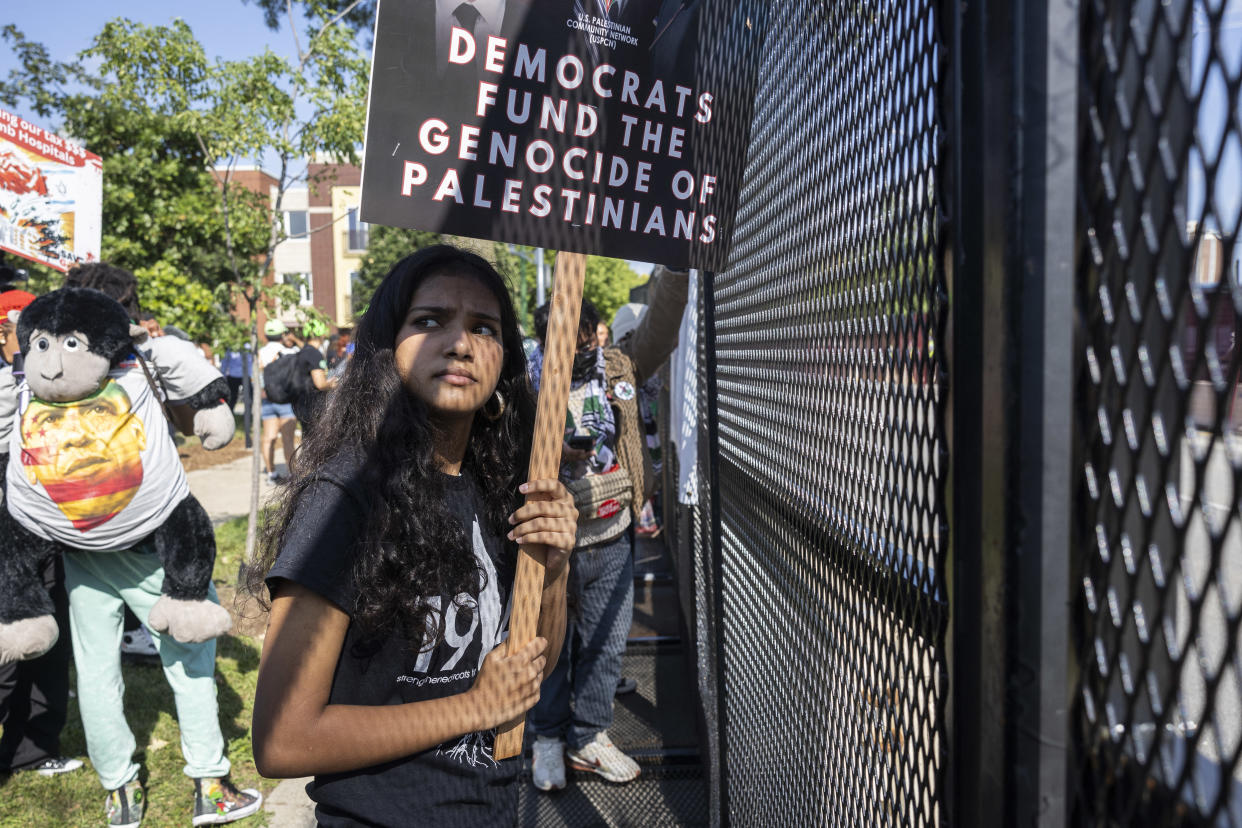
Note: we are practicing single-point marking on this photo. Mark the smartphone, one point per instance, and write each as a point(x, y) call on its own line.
point(581, 442)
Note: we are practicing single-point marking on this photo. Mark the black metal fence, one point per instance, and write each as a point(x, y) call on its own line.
point(1158, 704)
point(966, 546)
point(818, 545)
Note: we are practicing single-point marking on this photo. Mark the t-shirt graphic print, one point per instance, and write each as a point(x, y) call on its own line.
point(473, 627)
point(100, 473)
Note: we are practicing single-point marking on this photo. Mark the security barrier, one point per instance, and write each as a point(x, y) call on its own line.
point(964, 544)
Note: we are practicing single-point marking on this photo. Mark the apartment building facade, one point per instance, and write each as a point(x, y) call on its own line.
point(324, 239)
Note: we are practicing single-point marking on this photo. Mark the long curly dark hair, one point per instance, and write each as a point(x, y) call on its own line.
point(412, 547)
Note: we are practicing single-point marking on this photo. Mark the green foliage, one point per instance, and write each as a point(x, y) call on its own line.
point(38, 79)
point(357, 14)
point(165, 117)
point(608, 281)
point(160, 202)
point(385, 247)
point(517, 263)
point(608, 284)
point(175, 298)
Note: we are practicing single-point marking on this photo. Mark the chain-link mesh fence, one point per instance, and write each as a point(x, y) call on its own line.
point(819, 536)
point(1159, 538)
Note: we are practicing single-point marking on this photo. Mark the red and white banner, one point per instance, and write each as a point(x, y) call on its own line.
point(51, 196)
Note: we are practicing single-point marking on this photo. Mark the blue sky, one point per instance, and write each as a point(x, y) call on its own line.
point(226, 28)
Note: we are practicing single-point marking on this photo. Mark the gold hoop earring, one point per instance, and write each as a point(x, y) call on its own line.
point(500, 406)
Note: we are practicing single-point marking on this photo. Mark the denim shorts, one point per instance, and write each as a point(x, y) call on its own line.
point(272, 410)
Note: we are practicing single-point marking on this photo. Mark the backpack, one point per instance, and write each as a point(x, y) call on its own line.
point(280, 379)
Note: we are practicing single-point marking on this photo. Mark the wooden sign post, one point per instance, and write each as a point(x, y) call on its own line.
point(545, 461)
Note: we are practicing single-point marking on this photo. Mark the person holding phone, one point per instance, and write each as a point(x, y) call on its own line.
point(581, 442)
point(605, 466)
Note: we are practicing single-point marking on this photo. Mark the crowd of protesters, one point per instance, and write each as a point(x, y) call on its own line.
point(388, 554)
point(34, 693)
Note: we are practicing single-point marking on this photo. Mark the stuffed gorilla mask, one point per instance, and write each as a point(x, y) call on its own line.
point(93, 466)
point(71, 343)
point(203, 390)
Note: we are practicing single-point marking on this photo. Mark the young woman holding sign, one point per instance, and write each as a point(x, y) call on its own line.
point(391, 559)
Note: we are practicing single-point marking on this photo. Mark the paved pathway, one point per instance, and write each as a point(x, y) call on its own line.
point(224, 491)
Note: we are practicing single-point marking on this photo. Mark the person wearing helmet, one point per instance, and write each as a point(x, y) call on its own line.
point(314, 368)
point(278, 418)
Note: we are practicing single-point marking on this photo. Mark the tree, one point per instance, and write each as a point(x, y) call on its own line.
point(517, 264)
point(159, 199)
point(360, 16)
point(175, 298)
point(608, 284)
point(261, 107)
point(385, 247)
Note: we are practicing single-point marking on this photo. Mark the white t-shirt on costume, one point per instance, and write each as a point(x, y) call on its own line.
point(181, 365)
point(98, 474)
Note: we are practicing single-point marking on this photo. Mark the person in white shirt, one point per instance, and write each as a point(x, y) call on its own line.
point(278, 418)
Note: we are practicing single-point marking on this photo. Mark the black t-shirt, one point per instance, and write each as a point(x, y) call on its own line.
point(310, 358)
point(306, 399)
point(457, 783)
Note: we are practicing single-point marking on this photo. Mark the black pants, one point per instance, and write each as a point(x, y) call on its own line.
point(34, 694)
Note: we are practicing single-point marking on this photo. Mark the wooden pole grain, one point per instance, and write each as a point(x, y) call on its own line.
point(545, 461)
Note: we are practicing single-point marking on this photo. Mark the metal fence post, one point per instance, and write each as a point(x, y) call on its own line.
point(979, 138)
point(1039, 684)
point(716, 552)
point(1011, 285)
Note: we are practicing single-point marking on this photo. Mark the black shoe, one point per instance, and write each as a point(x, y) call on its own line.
point(625, 685)
point(217, 801)
point(55, 765)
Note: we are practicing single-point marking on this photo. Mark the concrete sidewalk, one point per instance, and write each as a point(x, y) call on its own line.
point(224, 491)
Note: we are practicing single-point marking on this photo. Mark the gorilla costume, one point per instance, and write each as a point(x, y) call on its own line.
point(93, 466)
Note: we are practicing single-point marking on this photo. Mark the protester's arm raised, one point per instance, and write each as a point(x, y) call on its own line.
point(656, 335)
point(298, 733)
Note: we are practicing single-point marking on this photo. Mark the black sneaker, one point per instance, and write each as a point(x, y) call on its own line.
point(217, 801)
point(124, 805)
point(57, 764)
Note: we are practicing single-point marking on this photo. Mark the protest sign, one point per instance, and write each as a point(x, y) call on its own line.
point(51, 196)
point(566, 124)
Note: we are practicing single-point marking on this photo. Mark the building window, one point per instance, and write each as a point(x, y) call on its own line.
point(295, 224)
point(356, 235)
point(306, 291)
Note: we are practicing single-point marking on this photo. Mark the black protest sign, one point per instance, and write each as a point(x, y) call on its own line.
point(559, 123)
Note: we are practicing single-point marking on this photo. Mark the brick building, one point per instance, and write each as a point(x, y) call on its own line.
point(324, 238)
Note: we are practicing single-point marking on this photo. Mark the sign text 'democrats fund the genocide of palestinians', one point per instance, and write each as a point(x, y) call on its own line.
point(561, 123)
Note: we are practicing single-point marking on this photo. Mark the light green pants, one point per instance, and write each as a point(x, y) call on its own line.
point(99, 583)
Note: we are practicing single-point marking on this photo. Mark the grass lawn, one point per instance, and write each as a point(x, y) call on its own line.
point(73, 799)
